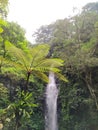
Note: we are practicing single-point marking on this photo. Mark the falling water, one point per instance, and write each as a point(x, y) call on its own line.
point(51, 104)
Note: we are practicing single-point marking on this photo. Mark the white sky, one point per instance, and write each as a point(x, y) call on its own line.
point(31, 14)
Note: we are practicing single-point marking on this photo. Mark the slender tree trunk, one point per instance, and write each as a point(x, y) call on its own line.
point(27, 81)
point(17, 119)
point(88, 80)
point(16, 127)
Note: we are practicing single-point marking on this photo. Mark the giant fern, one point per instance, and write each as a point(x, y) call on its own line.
point(34, 61)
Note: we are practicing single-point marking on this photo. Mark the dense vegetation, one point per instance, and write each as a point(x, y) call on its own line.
point(24, 69)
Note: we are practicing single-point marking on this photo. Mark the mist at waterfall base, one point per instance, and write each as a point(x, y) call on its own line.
point(51, 104)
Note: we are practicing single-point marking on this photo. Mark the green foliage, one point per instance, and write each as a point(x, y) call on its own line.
point(14, 34)
point(75, 40)
point(3, 8)
point(3, 23)
point(3, 91)
point(20, 110)
point(3, 96)
point(35, 61)
point(32, 62)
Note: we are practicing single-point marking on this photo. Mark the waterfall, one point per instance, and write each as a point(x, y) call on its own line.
point(51, 104)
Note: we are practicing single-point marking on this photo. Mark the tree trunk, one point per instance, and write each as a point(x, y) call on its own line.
point(88, 80)
point(16, 127)
point(27, 81)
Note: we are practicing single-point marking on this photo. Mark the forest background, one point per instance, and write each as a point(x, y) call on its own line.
point(71, 46)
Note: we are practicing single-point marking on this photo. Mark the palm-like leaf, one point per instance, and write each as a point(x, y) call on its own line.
point(35, 61)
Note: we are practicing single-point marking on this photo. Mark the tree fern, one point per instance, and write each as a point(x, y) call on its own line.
point(35, 61)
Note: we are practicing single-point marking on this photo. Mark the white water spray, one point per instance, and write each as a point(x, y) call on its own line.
point(51, 104)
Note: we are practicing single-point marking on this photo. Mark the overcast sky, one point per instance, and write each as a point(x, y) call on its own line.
point(31, 14)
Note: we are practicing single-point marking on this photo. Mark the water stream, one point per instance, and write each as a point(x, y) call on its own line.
point(51, 104)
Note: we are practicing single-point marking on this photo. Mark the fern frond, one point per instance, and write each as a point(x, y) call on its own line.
point(41, 76)
point(61, 77)
point(53, 63)
point(10, 66)
point(40, 51)
point(16, 52)
point(45, 69)
point(34, 61)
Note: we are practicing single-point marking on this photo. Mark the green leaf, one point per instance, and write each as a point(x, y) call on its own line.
point(2, 22)
point(41, 76)
point(61, 77)
point(1, 30)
